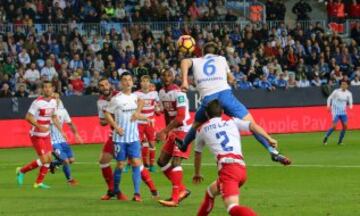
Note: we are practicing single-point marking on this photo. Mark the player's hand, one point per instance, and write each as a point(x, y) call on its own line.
point(273, 142)
point(197, 179)
point(161, 135)
point(42, 128)
point(120, 131)
point(78, 139)
point(64, 135)
point(184, 87)
point(134, 117)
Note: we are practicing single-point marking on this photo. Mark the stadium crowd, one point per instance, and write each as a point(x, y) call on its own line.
point(260, 57)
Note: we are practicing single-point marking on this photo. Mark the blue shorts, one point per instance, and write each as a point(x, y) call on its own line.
point(63, 150)
point(342, 118)
point(127, 150)
point(231, 105)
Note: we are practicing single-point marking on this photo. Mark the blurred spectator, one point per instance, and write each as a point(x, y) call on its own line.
point(301, 10)
point(77, 85)
point(21, 92)
point(244, 84)
point(281, 82)
point(48, 72)
point(354, 9)
point(5, 91)
point(32, 76)
point(356, 81)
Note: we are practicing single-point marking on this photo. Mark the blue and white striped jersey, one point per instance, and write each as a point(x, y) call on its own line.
point(123, 106)
point(338, 101)
point(64, 117)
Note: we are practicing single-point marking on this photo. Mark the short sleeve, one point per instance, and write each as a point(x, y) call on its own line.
point(112, 106)
point(100, 110)
point(199, 143)
point(180, 99)
point(242, 125)
point(33, 108)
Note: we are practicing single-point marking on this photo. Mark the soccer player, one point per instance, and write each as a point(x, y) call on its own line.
point(211, 73)
point(126, 108)
point(337, 102)
point(223, 138)
point(146, 128)
point(176, 110)
point(40, 115)
point(60, 147)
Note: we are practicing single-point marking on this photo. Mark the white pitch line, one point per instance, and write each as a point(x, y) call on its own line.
point(213, 165)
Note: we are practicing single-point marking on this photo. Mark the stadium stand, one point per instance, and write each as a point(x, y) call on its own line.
point(74, 43)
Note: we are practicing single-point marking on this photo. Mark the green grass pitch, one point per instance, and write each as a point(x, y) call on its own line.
point(324, 180)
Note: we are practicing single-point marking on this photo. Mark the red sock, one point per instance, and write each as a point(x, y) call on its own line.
point(42, 173)
point(145, 176)
point(206, 206)
point(30, 166)
point(145, 155)
point(108, 176)
point(168, 172)
point(176, 179)
point(237, 210)
point(152, 156)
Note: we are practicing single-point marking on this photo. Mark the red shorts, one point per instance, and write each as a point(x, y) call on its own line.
point(171, 148)
point(42, 145)
point(108, 146)
point(146, 132)
point(231, 177)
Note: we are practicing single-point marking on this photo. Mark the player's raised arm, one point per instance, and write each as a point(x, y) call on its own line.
point(184, 67)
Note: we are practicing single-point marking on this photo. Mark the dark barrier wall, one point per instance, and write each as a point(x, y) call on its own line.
point(86, 105)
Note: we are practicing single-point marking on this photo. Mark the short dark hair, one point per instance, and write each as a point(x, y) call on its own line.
point(213, 109)
point(345, 81)
point(126, 73)
point(46, 82)
point(210, 48)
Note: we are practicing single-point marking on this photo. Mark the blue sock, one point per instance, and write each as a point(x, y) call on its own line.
point(136, 177)
point(190, 136)
point(67, 171)
point(329, 132)
point(342, 135)
point(117, 179)
point(265, 143)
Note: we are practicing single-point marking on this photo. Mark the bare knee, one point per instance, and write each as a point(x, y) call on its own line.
point(105, 158)
point(176, 161)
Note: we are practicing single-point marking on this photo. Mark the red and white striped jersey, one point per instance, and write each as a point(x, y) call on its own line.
point(222, 136)
point(43, 110)
point(172, 98)
point(103, 102)
point(151, 99)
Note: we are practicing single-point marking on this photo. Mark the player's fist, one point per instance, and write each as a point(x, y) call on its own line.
point(134, 117)
point(42, 128)
point(184, 87)
point(120, 131)
point(161, 135)
point(197, 179)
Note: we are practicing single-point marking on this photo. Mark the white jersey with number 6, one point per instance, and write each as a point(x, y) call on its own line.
point(210, 74)
point(222, 136)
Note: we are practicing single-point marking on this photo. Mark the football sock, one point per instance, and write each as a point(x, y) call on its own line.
point(136, 177)
point(67, 171)
point(207, 204)
point(108, 176)
point(342, 135)
point(190, 136)
point(145, 176)
point(152, 156)
point(329, 132)
point(145, 155)
point(117, 179)
point(42, 173)
point(265, 143)
point(30, 166)
point(176, 179)
point(236, 210)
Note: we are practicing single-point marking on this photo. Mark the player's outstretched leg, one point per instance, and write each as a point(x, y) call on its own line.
point(208, 203)
point(20, 171)
point(328, 133)
point(117, 179)
point(40, 178)
point(146, 178)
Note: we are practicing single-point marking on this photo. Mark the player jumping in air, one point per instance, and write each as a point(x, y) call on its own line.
point(126, 108)
point(108, 150)
point(224, 140)
point(211, 73)
point(146, 128)
point(60, 147)
point(40, 115)
point(337, 102)
point(176, 110)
